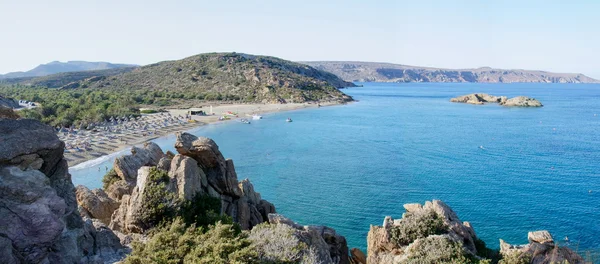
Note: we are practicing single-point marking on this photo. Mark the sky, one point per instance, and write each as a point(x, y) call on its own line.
point(559, 36)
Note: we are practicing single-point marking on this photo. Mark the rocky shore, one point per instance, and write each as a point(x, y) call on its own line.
point(48, 220)
point(481, 98)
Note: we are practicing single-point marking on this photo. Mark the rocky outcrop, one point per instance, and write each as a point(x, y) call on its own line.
point(127, 166)
point(481, 98)
point(541, 249)
point(395, 241)
point(40, 222)
point(329, 246)
point(238, 199)
point(198, 169)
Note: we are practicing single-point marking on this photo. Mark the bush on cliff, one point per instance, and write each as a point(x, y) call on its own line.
point(109, 178)
point(179, 243)
point(278, 244)
point(417, 225)
point(204, 210)
point(159, 204)
point(440, 249)
point(516, 257)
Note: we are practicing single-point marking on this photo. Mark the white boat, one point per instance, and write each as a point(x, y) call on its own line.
point(256, 117)
point(288, 120)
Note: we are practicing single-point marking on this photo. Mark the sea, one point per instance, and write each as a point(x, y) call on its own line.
point(506, 170)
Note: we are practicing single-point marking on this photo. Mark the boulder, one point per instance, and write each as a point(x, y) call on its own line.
point(413, 207)
point(187, 176)
point(127, 166)
point(96, 203)
point(542, 237)
point(119, 188)
point(219, 172)
point(248, 191)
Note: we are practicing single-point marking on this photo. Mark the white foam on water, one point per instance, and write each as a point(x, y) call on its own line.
point(100, 160)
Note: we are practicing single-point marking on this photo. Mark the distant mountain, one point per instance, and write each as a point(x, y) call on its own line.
point(59, 67)
point(388, 72)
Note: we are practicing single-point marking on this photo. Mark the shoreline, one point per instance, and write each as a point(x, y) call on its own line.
point(110, 147)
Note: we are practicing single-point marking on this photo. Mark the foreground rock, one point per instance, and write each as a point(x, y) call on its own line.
point(406, 240)
point(541, 249)
point(327, 245)
point(481, 98)
point(40, 222)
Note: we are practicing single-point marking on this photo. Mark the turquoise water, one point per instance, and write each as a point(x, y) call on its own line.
point(349, 166)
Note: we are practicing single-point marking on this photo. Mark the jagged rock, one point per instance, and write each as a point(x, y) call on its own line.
point(96, 203)
point(127, 166)
point(541, 249)
point(328, 245)
point(357, 256)
point(248, 192)
point(265, 208)
point(40, 220)
point(219, 172)
point(458, 230)
point(522, 101)
point(188, 177)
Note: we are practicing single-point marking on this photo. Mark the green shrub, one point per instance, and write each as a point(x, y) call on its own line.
point(110, 178)
point(440, 249)
point(178, 243)
point(485, 252)
point(515, 257)
point(203, 210)
point(159, 204)
point(148, 111)
point(417, 225)
point(279, 244)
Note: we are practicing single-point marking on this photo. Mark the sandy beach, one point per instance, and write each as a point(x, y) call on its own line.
point(86, 145)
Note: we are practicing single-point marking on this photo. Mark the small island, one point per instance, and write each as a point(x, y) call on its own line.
point(481, 98)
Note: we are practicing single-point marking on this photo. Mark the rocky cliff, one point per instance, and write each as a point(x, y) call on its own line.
point(388, 72)
point(481, 98)
point(40, 222)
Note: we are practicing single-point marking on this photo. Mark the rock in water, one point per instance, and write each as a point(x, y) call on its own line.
point(40, 222)
point(479, 99)
point(522, 101)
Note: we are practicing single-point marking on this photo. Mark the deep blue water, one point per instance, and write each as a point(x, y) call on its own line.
point(349, 166)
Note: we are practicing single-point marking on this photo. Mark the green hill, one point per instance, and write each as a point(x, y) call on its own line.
point(218, 76)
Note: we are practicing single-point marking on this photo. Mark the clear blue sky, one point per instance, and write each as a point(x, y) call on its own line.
point(561, 36)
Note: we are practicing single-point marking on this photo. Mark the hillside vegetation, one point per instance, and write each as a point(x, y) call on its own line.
point(82, 97)
point(215, 76)
point(388, 72)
